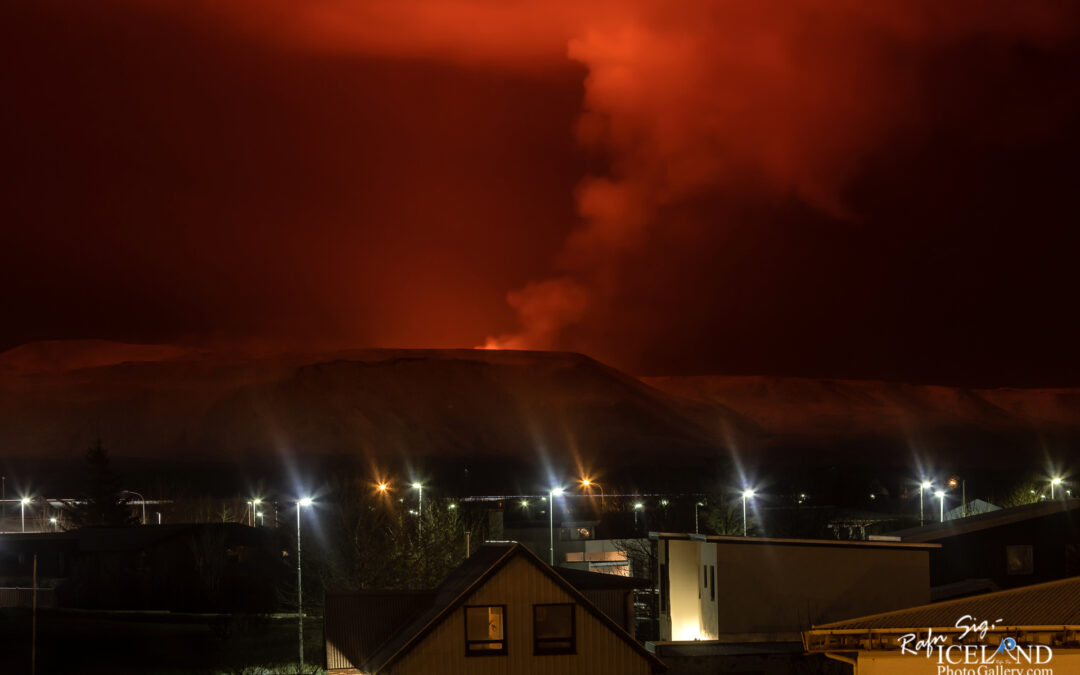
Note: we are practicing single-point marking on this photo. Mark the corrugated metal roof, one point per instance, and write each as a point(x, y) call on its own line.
point(985, 521)
point(1056, 603)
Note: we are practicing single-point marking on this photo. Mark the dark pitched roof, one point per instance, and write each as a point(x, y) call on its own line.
point(596, 581)
point(771, 541)
point(133, 537)
point(985, 521)
point(1056, 603)
point(479, 567)
point(357, 623)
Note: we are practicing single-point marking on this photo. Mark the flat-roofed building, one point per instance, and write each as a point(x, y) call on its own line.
point(758, 590)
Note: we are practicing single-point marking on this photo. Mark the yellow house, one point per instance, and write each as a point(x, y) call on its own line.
point(503, 611)
point(1033, 630)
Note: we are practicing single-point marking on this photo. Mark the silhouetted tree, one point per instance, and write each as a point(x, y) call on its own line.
point(101, 500)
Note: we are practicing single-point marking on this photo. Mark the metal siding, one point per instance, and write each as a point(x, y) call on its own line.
point(519, 586)
point(356, 624)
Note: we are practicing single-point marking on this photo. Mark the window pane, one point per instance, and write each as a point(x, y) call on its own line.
point(554, 621)
point(484, 623)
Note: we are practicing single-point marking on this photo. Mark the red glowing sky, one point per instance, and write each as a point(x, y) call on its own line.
point(829, 188)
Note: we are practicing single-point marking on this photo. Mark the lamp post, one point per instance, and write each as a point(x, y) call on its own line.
point(253, 504)
point(746, 494)
point(22, 511)
point(923, 487)
point(419, 508)
point(55, 523)
point(142, 500)
point(696, 506)
point(552, 494)
point(304, 501)
point(638, 506)
point(258, 514)
point(940, 494)
point(1054, 482)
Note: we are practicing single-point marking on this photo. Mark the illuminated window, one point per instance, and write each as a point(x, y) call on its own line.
point(485, 630)
point(575, 557)
point(554, 629)
point(1019, 560)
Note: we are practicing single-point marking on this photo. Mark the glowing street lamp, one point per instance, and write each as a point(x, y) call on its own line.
point(22, 511)
point(383, 487)
point(54, 522)
point(696, 506)
point(638, 506)
point(940, 494)
point(552, 494)
point(923, 487)
point(253, 504)
point(419, 507)
point(588, 484)
point(746, 494)
point(1054, 482)
point(303, 502)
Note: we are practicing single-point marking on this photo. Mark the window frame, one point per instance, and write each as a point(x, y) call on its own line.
point(538, 650)
point(1027, 557)
point(485, 652)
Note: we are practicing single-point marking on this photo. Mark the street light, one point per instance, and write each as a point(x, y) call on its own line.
point(638, 506)
point(22, 511)
point(54, 522)
point(923, 487)
point(552, 494)
point(419, 508)
point(746, 494)
point(696, 506)
point(383, 487)
point(253, 504)
point(304, 501)
point(259, 515)
point(142, 500)
point(588, 483)
point(1054, 482)
point(940, 494)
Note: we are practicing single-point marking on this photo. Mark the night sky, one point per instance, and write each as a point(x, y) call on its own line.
point(824, 188)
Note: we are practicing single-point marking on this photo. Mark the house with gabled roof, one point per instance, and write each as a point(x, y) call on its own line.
point(501, 611)
point(1009, 547)
point(1028, 630)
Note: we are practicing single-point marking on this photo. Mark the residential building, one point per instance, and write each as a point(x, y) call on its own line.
point(757, 589)
point(504, 610)
point(1010, 547)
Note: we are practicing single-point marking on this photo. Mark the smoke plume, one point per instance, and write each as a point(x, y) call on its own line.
point(775, 99)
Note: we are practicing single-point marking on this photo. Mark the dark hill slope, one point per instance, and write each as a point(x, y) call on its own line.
point(526, 406)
